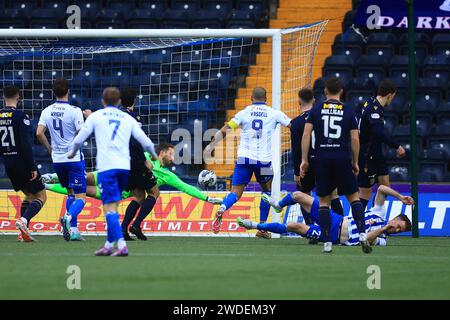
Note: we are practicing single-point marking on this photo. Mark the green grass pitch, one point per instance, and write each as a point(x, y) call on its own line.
point(224, 268)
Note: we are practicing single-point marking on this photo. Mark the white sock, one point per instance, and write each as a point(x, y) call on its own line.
point(68, 216)
point(254, 225)
point(109, 245)
point(24, 220)
point(121, 243)
point(74, 229)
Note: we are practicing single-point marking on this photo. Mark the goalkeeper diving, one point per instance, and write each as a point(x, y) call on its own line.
point(163, 176)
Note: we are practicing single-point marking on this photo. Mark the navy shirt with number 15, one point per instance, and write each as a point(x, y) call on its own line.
point(332, 123)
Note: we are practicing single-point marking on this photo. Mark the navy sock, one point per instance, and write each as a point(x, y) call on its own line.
point(358, 216)
point(146, 208)
point(306, 216)
point(336, 206)
point(229, 200)
point(274, 227)
point(325, 223)
point(287, 201)
point(130, 213)
point(364, 203)
point(33, 209)
point(24, 207)
point(264, 209)
point(74, 210)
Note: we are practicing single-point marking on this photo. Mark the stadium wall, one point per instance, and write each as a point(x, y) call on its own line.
point(178, 214)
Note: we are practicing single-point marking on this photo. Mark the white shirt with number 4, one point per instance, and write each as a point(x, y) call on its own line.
point(63, 121)
point(258, 123)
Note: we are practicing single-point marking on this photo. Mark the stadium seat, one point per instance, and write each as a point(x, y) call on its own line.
point(437, 66)
point(187, 5)
point(381, 44)
point(111, 19)
point(144, 19)
point(443, 109)
point(175, 19)
point(438, 144)
point(239, 19)
point(46, 18)
point(423, 123)
point(256, 7)
point(124, 6)
point(399, 66)
point(158, 5)
point(338, 66)
point(354, 52)
point(25, 6)
point(438, 170)
point(356, 97)
point(58, 5)
point(223, 6)
point(441, 131)
point(433, 154)
point(390, 122)
point(14, 18)
point(202, 19)
point(441, 44)
point(422, 44)
point(89, 9)
point(366, 82)
point(371, 66)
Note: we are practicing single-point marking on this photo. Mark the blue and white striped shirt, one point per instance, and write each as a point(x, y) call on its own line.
point(375, 219)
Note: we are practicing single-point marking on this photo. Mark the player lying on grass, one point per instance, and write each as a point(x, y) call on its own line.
point(163, 177)
point(343, 229)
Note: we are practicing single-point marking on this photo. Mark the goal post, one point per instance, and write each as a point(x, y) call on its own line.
point(183, 76)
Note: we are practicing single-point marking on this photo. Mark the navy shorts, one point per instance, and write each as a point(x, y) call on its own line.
point(315, 231)
point(20, 180)
point(111, 184)
point(308, 183)
point(140, 179)
point(244, 169)
point(369, 171)
point(72, 175)
point(335, 173)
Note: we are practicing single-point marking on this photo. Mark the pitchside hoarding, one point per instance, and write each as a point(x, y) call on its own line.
point(178, 214)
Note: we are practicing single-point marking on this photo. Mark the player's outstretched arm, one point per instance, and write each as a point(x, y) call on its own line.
point(384, 191)
point(174, 181)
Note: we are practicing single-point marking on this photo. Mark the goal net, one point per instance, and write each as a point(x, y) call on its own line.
point(188, 83)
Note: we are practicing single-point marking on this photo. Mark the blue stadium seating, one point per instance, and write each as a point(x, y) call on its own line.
point(124, 6)
point(224, 7)
point(422, 44)
point(441, 44)
point(241, 19)
point(188, 5)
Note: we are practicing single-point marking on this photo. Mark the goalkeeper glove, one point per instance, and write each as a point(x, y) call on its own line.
point(214, 200)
